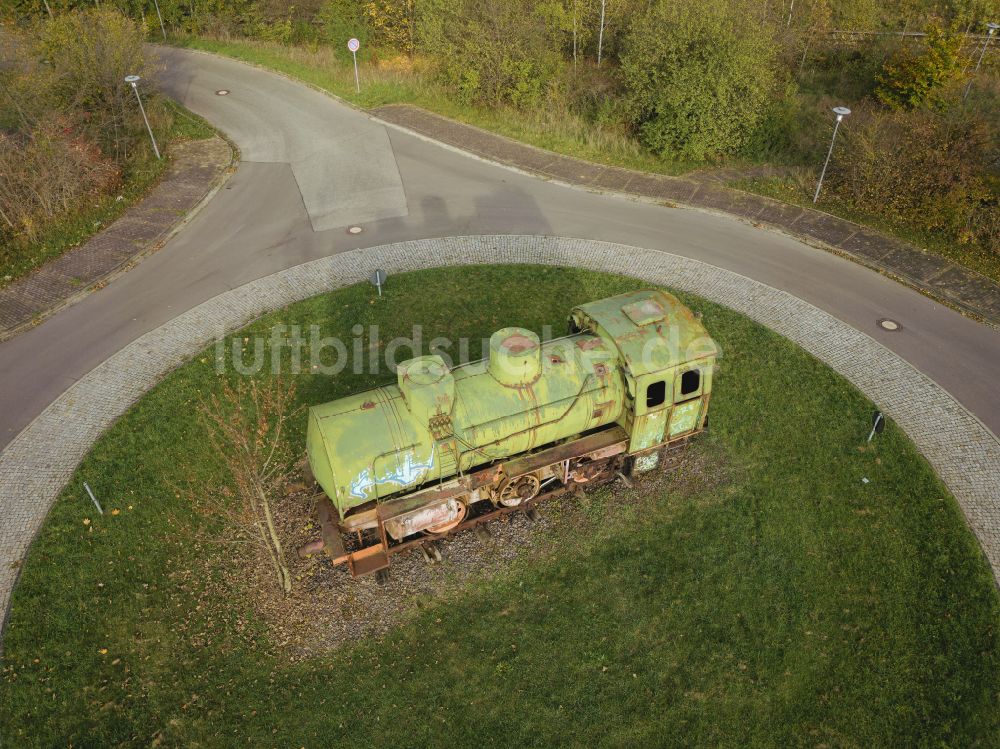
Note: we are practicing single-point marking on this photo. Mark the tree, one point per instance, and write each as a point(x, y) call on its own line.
point(813, 20)
point(914, 79)
point(89, 53)
point(497, 52)
point(393, 23)
point(247, 426)
point(697, 77)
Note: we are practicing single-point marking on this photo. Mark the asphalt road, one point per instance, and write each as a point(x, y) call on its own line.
point(312, 166)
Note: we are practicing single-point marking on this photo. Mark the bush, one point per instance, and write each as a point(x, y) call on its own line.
point(697, 78)
point(89, 53)
point(789, 132)
point(45, 173)
point(846, 72)
point(338, 21)
point(920, 168)
point(497, 52)
point(917, 78)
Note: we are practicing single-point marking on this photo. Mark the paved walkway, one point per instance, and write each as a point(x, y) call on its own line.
point(962, 288)
point(37, 464)
point(196, 171)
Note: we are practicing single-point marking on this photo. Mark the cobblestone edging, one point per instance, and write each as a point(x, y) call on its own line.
point(960, 287)
point(41, 459)
point(197, 170)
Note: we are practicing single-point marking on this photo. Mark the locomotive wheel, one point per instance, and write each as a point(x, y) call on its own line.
point(463, 510)
point(517, 490)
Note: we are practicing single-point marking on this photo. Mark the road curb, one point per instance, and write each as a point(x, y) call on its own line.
point(960, 288)
point(36, 465)
point(705, 194)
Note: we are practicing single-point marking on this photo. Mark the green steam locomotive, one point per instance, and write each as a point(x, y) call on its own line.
point(448, 449)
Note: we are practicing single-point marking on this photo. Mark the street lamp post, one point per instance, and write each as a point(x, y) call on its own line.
point(841, 113)
point(991, 29)
point(134, 79)
point(159, 15)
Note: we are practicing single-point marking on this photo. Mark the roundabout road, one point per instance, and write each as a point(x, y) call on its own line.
point(312, 166)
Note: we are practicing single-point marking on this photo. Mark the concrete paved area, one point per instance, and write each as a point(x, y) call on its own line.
point(342, 162)
point(35, 467)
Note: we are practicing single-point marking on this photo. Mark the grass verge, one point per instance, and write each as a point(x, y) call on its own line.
point(791, 190)
point(787, 604)
point(398, 82)
point(19, 257)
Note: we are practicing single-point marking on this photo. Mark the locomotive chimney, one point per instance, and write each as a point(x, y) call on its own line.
point(515, 357)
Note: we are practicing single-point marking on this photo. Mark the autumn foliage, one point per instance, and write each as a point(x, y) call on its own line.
point(69, 126)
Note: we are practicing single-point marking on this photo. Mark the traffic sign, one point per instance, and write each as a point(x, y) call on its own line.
point(354, 45)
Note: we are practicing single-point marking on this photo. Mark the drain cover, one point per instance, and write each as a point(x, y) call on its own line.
point(354, 230)
point(222, 92)
point(891, 325)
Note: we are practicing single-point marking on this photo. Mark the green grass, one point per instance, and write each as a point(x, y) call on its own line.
point(552, 128)
point(788, 604)
point(18, 256)
point(788, 190)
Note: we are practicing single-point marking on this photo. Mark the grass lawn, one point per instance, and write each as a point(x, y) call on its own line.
point(779, 601)
point(19, 257)
point(556, 130)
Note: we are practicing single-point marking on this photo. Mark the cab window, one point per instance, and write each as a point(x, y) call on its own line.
point(690, 382)
point(656, 394)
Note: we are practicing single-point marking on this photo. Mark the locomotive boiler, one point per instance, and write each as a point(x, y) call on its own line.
point(447, 449)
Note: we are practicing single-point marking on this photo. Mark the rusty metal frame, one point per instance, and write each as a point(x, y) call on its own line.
point(604, 445)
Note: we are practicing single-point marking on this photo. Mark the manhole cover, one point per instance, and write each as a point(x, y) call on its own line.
point(222, 92)
point(891, 325)
point(354, 230)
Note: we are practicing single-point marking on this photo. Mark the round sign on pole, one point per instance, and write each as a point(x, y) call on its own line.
point(354, 45)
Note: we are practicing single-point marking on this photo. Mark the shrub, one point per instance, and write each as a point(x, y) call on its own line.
point(918, 167)
point(497, 52)
point(789, 132)
point(917, 78)
point(339, 20)
point(697, 77)
point(89, 54)
point(45, 173)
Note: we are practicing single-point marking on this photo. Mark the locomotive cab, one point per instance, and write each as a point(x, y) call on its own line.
point(667, 360)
